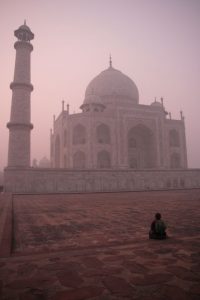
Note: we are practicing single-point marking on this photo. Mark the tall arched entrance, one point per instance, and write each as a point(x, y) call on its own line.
point(141, 148)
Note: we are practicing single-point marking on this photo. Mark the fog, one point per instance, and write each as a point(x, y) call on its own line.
point(156, 43)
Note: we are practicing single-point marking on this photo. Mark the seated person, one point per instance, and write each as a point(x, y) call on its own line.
point(158, 228)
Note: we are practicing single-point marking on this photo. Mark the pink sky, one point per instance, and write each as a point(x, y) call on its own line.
point(154, 42)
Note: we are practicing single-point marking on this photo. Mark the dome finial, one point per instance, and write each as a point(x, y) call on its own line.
point(24, 21)
point(110, 61)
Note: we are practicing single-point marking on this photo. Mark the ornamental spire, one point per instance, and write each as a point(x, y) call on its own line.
point(110, 61)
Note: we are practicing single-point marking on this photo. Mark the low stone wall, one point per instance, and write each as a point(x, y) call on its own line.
point(36, 180)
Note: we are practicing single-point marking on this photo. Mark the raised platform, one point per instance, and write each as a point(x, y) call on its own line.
point(37, 180)
point(96, 246)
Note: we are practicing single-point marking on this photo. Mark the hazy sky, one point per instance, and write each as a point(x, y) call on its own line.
point(154, 42)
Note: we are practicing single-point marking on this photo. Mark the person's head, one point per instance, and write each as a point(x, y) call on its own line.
point(158, 216)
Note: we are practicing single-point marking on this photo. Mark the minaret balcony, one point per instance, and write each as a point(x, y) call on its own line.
point(21, 85)
point(14, 125)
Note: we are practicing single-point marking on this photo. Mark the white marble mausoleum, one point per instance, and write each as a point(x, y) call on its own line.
point(114, 144)
point(115, 131)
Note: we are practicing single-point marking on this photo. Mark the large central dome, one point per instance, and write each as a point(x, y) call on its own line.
point(112, 82)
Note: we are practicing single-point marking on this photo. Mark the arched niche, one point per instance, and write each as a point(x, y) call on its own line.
point(141, 147)
point(103, 160)
point(79, 135)
point(79, 161)
point(174, 139)
point(103, 134)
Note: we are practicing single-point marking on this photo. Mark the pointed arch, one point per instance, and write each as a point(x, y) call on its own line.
point(133, 162)
point(174, 139)
point(103, 134)
point(79, 161)
point(79, 134)
point(141, 147)
point(103, 160)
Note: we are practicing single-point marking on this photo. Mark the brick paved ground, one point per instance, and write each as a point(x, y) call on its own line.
point(96, 246)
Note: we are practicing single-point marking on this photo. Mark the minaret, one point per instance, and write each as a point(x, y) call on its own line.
point(20, 125)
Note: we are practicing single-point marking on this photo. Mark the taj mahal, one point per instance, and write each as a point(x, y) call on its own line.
point(115, 131)
point(114, 144)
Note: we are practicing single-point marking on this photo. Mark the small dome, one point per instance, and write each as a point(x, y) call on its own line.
point(112, 82)
point(24, 27)
point(24, 33)
point(157, 104)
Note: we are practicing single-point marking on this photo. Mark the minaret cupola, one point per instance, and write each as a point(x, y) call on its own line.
point(23, 33)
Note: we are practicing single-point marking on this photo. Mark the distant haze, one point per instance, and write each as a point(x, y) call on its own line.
point(155, 42)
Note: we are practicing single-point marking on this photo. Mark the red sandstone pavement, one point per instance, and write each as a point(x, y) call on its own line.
point(96, 246)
